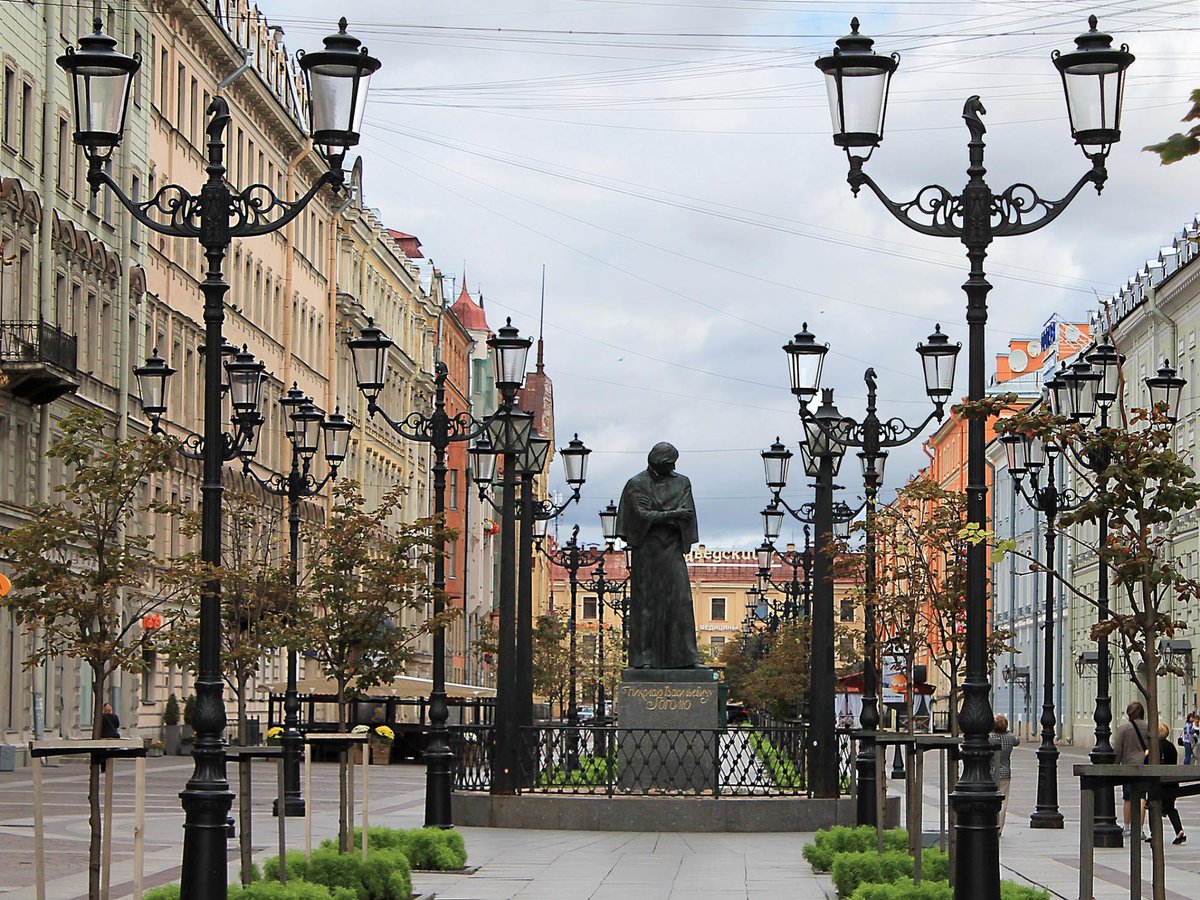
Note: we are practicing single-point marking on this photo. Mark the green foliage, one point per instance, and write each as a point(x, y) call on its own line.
point(297, 866)
point(592, 770)
point(367, 575)
point(293, 890)
point(171, 711)
point(783, 771)
point(423, 848)
point(333, 869)
point(163, 892)
point(904, 889)
point(189, 708)
point(551, 658)
point(842, 839)
point(853, 869)
point(1180, 146)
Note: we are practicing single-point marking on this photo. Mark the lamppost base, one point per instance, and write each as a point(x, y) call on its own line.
point(1046, 819)
point(1108, 836)
point(292, 808)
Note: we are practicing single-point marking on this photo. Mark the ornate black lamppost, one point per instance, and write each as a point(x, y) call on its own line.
point(1085, 392)
point(608, 593)
point(873, 437)
point(305, 426)
point(438, 429)
point(1093, 78)
point(572, 557)
point(617, 592)
point(1028, 456)
point(101, 78)
point(508, 434)
point(795, 590)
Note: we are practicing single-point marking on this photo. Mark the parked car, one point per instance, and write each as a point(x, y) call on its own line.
point(736, 713)
point(585, 713)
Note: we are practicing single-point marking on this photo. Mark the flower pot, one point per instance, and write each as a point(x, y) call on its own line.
point(171, 740)
point(381, 753)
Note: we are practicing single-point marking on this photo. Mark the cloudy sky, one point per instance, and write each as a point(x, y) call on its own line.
point(669, 162)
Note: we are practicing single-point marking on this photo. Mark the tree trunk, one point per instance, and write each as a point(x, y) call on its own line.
point(243, 725)
point(343, 775)
point(95, 822)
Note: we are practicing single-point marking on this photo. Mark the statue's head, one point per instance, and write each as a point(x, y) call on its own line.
point(662, 458)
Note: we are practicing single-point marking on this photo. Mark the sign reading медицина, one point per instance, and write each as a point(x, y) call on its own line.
point(665, 696)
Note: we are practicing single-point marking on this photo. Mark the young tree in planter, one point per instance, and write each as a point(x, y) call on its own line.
point(552, 659)
point(256, 598)
point(84, 573)
point(362, 601)
point(1140, 484)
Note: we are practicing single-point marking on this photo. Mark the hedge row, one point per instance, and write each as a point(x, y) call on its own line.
point(425, 848)
point(904, 889)
point(841, 839)
point(783, 772)
point(870, 867)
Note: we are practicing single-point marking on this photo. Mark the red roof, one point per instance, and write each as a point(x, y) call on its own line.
point(468, 312)
point(409, 244)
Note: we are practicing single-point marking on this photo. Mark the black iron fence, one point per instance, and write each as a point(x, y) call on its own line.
point(766, 760)
point(37, 342)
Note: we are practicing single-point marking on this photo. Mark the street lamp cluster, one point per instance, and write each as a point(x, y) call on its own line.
point(1083, 392)
point(101, 80)
point(858, 82)
point(827, 436)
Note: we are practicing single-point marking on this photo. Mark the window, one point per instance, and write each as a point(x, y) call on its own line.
point(180, 104)
point(717, 609)
point(717, 641)
point(27, 129)
point(847, 610)
point(65, 157)
point(589, 607)
point(135, 194)
point(452, 559)
point(164, 80)
point(194, 113)
point(137, 76)
point(452, 499)
point(10, 105)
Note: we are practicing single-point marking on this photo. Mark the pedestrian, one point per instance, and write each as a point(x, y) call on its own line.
point(1130, 746)
point(110, 724)
point(1169, 756)
point(1002, 741)
point(1187, 739)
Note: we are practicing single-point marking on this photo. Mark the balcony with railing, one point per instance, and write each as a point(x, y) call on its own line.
point(37, 360)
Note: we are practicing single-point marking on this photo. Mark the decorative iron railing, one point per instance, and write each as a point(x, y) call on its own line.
point(764, 760)
point(37, 342)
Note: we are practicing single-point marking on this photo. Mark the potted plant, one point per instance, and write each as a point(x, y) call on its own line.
point(153, 747)
point(381, 741)
point(274, 735)
point(170, 721)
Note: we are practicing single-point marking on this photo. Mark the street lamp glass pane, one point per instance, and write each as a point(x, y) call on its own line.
point(856, 82)
point(772, 517)
point(1014, 446)
point(1035, 452)
point(101, 77)
point(1166, 388)
point(245, 381)
point(511, 351)
point(841, 528)
point(765, 553)
point(483, 462)
point(805, 359)
point(1105, 360)
point(608, 522)
point(153, 380)
point(337, 438)
point(1083, 384)
point(812, 464)
point(338, 77)
point(575, 457)
point(369, 353)
point(1093, 77)
point(306, 429)
point(250, 437)
point(775, 465)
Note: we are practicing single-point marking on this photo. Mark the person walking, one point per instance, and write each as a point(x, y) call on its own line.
point(1130, 745)
point(1169, 756)
point(1002, 741)
point(110, 724)
point(1188, 739)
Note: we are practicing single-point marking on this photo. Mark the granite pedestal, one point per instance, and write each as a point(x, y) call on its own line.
point(669, 730)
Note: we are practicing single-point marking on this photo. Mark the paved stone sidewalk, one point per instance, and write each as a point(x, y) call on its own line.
point(540, 865)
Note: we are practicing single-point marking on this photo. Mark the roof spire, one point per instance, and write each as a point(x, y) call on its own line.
point(541, 318)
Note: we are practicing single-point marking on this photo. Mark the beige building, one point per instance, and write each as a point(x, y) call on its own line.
point(1154, 317)
point(71, 301)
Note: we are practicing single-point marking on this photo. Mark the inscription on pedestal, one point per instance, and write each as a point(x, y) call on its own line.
point(668, 736)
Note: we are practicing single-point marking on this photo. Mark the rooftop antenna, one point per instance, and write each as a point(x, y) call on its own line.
point(541, 318)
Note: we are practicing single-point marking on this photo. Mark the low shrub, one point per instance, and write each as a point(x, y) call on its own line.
point(591, 772)
point(841, 839)
point(904, 889)
point(853, 869)
point(297, 866)
point(426, 848)
point(384, 876)
point(293, 890)
point(165, 892)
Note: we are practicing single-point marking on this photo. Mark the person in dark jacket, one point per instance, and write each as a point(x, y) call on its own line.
point(110, 724)
point(1169, 756)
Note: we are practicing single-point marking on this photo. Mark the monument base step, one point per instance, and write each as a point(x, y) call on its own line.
point(657, 814)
